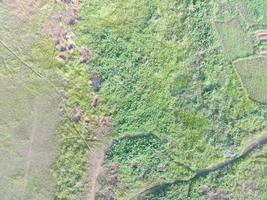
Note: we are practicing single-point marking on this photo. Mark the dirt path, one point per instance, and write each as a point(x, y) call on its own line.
point(249, 148)
point(96, 159)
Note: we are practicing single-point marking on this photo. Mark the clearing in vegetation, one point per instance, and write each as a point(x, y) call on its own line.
point(236, 42)
point(28, 118)
point(253, 72)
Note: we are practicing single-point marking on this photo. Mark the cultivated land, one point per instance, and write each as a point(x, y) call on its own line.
point(253, 72)
point(161, 100)
point(238, 37)
point(236, 43)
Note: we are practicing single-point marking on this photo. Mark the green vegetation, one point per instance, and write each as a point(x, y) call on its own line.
point(176, 101)
point(254, 11)
point(70, 168)
point(253, 73)
point(44, 54)
point(29, 111)
point(236, 42)
point(164, 73)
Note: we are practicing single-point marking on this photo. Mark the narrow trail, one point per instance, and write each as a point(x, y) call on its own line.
point(30, 151)
point(96, 159)
point(249, 148)
point(65, 106)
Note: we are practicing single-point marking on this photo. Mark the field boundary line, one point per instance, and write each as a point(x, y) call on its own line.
point(29, 67)
point(51, 84)
point(247, 150)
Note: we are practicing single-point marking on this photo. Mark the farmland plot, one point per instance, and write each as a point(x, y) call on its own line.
point(236, 42)
point(253, 72)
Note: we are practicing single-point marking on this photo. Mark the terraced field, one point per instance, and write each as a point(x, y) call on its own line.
point(238, 37)
point(253, 73)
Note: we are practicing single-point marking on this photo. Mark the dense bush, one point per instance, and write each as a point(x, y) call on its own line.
point(164, 72)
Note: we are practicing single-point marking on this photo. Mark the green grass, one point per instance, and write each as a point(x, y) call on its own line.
point(156, 81)
point(170, 90)
point(253, 73)
point(29, 108)
point(236, 42)
point(225, 10)
point(254, 11)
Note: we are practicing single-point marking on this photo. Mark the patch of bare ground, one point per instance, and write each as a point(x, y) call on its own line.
point(58, 27)
point(62, 38)
point(263, 53)
point(95, 168)
point(262, 36)
point(30, 150)
point(209, 195)
point(24, 9)
point(108, 181)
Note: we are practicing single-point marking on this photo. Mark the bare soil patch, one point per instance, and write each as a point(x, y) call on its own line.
point(262, 36)
point(24, 9)
point(95, 159)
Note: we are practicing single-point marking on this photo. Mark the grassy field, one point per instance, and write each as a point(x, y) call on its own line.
point(29, 116)
point(253, 73)
point(236, 42)
point(165, 75)
point(253, 11)
point(29, 111)
point(176, 103)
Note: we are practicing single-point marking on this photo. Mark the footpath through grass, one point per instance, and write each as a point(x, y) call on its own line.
point(29, 107)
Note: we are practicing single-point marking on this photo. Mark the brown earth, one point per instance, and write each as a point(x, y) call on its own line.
point(95, 159)
point(24, 9)
point(262, 36)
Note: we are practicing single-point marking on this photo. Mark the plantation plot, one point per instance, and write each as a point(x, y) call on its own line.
point(235, 41)
point(253, 73)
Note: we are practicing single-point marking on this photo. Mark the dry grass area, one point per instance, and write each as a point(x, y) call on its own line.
point(29, 106)
point(28, 118)
point(24, 9)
